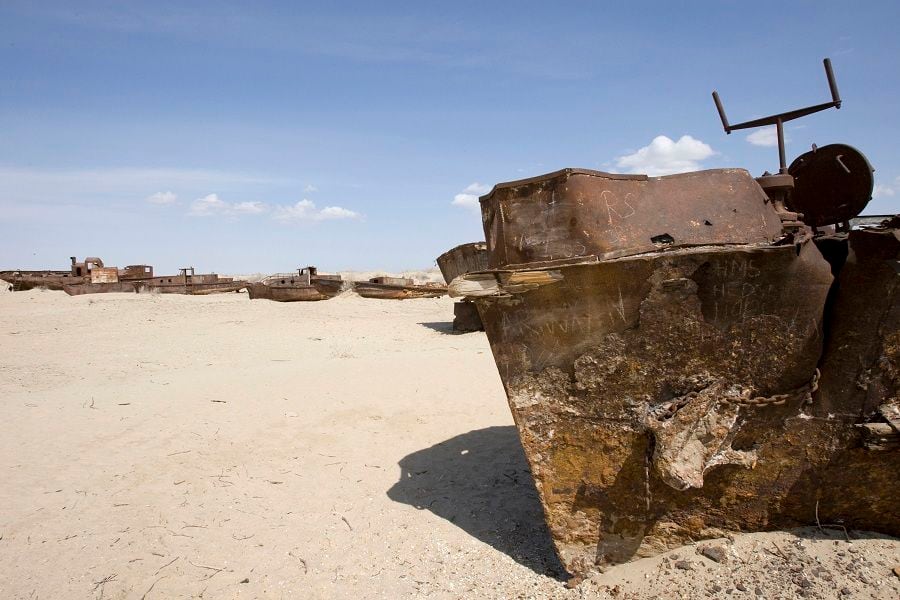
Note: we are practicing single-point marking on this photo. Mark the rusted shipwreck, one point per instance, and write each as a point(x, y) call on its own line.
point(691, 355)
point(79, 272)
point(462, 259)
point(102, 280)
point(141, 279)
point(190, 283)
point(398, 288)
point(305, 285)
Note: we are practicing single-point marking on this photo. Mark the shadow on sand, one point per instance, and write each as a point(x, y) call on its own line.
point(441, 327)
point(480, 482)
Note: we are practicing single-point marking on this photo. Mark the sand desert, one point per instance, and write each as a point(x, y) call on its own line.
point(163, 446)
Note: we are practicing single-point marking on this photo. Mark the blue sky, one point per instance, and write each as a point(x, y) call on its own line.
point(260, 136)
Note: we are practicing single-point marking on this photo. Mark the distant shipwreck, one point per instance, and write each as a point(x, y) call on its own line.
point(305, 285)
point(398, 288)
point(92, 277)
point(697, 354)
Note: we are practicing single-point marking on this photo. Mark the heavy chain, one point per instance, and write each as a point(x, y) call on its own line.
point(803, 392)
point(744, 398)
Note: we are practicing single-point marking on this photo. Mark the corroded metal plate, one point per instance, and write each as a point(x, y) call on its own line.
point(832, 184)
point(576, 213)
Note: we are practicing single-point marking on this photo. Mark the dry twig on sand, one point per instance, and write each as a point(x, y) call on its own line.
point(216, 570)
point(102, 583)
point(163, 567)
point(152, 585)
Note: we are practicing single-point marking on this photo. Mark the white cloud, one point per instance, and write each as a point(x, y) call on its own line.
point(249, 208)
point(105, 187)
point(336, 212)
point(305, 210)
point(664, 156)
point(885, 198)
point(883, 191)
point(310, 188)
point(469, 196)
point(162, 198)
point(211, 205)
point(767, 136)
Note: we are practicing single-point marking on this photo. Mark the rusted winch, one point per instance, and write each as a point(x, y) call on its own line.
point(677, 358)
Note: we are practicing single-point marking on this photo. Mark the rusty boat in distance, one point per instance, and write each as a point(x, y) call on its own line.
point(305, 285)
point(459, 260)
point(696, 354)
point(79, 272)
point(189, 283)
point(398, 288)
point(102, 280)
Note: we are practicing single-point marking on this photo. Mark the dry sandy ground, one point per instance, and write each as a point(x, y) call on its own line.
point(171, 446)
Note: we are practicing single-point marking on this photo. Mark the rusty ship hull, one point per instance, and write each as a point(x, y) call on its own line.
point(387, 291)
point(323, 289)
point(659, 341)
point(462, 259)
point(117, 287)
point(22, 281)
point(465, 258)
point(191, 289)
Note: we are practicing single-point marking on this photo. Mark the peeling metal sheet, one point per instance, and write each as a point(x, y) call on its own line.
point(575, 213)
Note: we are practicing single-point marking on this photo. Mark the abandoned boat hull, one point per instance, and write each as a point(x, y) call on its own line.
point(50, 281)
point(384, 291)
point(465, 258)
point(296, 292)
point(672, 395)
point(118, 287)
point(462, 259)
point(191, 289)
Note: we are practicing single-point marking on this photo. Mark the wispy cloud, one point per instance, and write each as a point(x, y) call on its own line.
point(131, 176)
point(469, 196)
point(886, 190)
point(208, 205)
point(310, 188)
point(767, 136)
point(885, 197)
point(65, 185)
point(211, 205)
point(883, 191)
point(162, 198)
point(249, 208)
point(305, 210)
point(663, 156)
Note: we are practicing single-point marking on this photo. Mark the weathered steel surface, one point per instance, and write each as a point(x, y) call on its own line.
point(378, 287)
point(136, 272)
point(189, 288)
point(392, 280)
point(306, 285)
point(79, 289)
point(286, 293)
point(104, 275)
point(78, 272)
point(575, 213)
point(832, 184)
point(465, 258)
point(673, 395)
point(27, 280)
point(395, 292)
point(462, 259)
point(861, 364)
